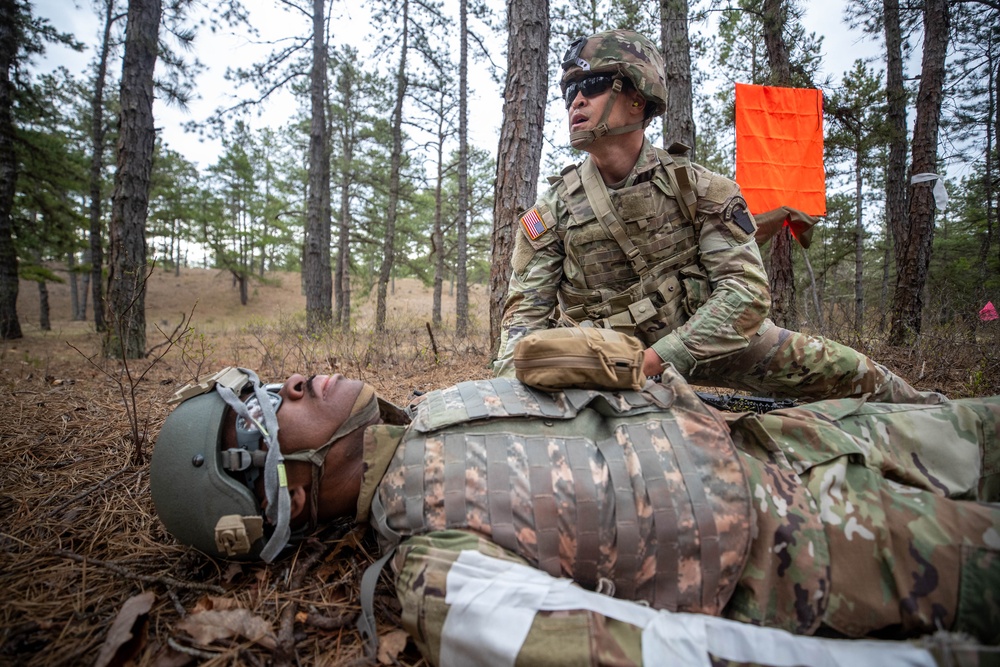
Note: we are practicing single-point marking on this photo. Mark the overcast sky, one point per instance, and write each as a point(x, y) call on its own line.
point(841, 47)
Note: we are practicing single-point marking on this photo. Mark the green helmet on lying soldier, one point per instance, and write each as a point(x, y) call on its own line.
point(217, 475)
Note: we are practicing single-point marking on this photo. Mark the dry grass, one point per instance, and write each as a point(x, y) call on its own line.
point(78, 538)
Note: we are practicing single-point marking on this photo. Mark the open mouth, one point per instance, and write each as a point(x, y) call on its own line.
point(577, 120)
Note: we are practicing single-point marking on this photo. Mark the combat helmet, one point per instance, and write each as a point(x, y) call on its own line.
point(627, 55)
point(205, 494)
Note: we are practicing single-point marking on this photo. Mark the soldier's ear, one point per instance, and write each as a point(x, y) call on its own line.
point(638, 103)
point(299, 499)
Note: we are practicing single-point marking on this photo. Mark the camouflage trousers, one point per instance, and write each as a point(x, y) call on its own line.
point(858, 529)
point(789, 364)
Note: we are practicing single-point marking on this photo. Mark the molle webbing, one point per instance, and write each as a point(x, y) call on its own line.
point(454, 480)
point(569, 497)
point(593, 306)
point(498, 480)
point(608, 216)
point(595, 264)
point(664, 521)
point(588, 518)
point(414, 485)
point(708, 535)
point(626, 518)
point(543, 503)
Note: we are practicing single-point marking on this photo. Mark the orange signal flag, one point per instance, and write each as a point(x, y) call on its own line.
point(779, 148)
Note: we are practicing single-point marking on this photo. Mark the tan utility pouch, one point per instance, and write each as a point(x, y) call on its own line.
point(579, 357)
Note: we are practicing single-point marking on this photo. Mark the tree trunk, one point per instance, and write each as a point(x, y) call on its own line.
point(316, 253)
point(437, 233)
point(84, 288)
point(988, 180)
point(913, 247)
point(97, 132)
point(341, 278)
point(895, 177)
point(10, 326)
point(137, 136)
point(44, 322)
point(462, 287)
point(389, 243)
point(859, 249)
point(74, 287)
point(782, 274)
point(520, 148)
point(884, 292)
point(678, 120)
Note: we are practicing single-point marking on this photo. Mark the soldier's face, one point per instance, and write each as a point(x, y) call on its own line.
point(584, 113)
point(314, 408)
point(311, 410)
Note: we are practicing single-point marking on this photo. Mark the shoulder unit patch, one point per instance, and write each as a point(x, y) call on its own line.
point(736, 212)
point(533, 224)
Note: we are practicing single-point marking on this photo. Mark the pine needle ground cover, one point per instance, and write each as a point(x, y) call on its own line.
point(88, 574)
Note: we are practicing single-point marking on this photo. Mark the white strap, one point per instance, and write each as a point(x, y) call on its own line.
point(940, 194)
point(494, 602)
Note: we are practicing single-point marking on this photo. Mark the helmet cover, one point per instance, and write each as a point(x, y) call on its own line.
point(622, 52)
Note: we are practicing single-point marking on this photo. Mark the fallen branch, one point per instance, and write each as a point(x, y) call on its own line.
point(169, 582)
point(189, 650)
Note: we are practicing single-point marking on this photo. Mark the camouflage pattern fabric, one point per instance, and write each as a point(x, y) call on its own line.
point(678, 478)
point(706, 283)
point(789, 364)
point(903, 557)
point(621, 52)
point(853, 533)
point(568, 637)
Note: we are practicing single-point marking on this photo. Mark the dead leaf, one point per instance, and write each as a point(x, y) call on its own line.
point(213, 603)
point(391, 645)
point(128, 633)
point(207, 626)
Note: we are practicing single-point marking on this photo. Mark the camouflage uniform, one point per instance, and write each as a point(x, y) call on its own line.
point(703, 299)
point(850, 531)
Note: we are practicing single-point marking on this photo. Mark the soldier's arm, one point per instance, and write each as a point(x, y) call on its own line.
point(461, 608)
point(576, 637)
point(740, 296)
point(536, 271)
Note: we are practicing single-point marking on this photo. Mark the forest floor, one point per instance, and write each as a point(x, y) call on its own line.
point(89, 574)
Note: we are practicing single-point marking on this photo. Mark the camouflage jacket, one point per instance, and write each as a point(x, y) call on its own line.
point(706, 287)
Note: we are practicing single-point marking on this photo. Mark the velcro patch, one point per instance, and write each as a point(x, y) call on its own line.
point(533, 224)
point(736, 214)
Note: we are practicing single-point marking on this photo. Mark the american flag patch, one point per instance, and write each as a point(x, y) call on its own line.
point(533, 224)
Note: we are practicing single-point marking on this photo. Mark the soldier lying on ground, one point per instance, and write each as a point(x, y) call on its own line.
point(840, 518)
point(640, 240)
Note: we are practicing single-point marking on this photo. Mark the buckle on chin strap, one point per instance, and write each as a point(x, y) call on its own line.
point(238, 460)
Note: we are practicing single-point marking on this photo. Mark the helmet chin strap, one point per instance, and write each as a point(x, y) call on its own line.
point(582, 138)
point(364, 412)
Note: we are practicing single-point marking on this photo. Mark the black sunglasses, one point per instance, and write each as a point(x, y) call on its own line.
point(589, 87)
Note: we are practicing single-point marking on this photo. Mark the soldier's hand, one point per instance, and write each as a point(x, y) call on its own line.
point(651, 363)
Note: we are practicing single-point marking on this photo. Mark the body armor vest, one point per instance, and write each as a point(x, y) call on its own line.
point(639, 490)
point(610, 291)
